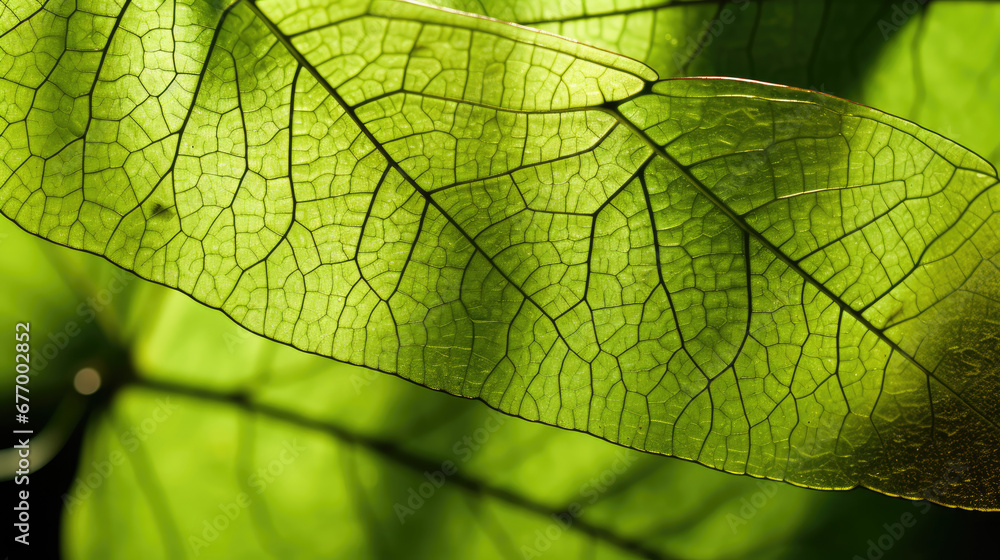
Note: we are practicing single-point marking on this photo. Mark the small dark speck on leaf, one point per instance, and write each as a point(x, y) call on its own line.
point(159, 209)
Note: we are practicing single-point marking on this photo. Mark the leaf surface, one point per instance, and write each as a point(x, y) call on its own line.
point(761, 279)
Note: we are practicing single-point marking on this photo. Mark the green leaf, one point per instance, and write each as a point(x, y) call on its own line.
point(761, 279)
point(149, 479)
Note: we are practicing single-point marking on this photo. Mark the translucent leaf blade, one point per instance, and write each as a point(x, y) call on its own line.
point(765, 280)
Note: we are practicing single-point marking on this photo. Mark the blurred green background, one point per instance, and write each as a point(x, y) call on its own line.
point(205, 441)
